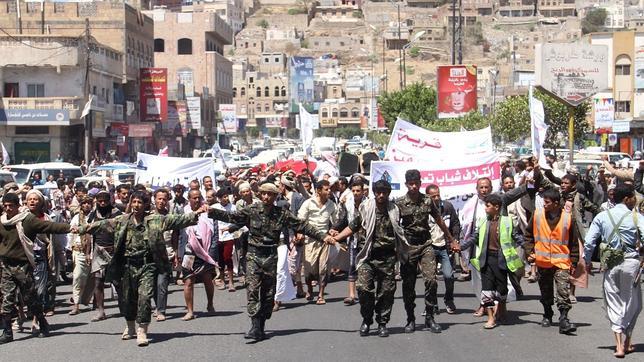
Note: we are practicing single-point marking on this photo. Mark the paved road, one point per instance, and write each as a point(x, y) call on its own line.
point(307, 332)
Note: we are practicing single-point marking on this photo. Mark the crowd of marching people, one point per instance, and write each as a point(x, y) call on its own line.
point(283, 235)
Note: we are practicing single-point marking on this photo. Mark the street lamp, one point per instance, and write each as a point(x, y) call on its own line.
point(404, 49)
point(371, 107)
point(494, 73)
point(400, 50)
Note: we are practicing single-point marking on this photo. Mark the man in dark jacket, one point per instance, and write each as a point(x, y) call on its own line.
point(18, 230)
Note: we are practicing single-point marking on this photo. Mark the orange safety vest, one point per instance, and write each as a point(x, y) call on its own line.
point(551, 246)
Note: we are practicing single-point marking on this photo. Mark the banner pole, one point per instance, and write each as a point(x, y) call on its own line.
point(571, 132)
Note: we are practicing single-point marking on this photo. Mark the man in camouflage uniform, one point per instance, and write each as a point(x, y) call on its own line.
point(383, 242)
point(415, 209)
point(139, 254)
point(265, 222)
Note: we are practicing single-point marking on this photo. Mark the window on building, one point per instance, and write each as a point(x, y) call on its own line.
point(283, 91)
point(266, 60)
point(29, 130)
point(258, 107)
point(11, 6)
point(11, 90)
point(344, 113)
point(277, 60)
point(250, 80)
point(242, 92)
point(35, 90)
point(59, 7)
point(277, 91)
point(31, 7)
point(623, 69)
point(355, 113)
point(184, 46)
point(325, 113)
point(267, 107)
point(234, 92)
point(623, 106)
point(334, 113)
point(258, 92)
point(267, 92)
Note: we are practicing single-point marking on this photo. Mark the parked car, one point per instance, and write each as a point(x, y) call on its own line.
point(6, 177)
point(24, 173)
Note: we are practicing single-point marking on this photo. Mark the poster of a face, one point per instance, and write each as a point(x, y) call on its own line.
point(456, 90)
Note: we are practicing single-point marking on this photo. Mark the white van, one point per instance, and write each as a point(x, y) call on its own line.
point(25, 173)
point(6, 177)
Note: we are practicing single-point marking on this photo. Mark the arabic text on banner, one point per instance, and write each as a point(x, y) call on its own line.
point(410, 143)
point(169, 171)
point(454, 179)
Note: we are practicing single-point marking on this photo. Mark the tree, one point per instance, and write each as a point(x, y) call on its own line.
point(593, 21)
point(262, 23)
point(416, 104)
point(414, 51)
point(511, 119)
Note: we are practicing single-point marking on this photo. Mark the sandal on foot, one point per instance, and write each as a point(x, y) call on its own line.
point(188, 317)
point(320, 301)
point(99, 318)
point(160, 317)
point(349, 301)
point(490, 326)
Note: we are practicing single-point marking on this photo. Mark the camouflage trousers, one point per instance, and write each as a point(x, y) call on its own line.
point(261, 277)
point(420, 257)
point(18, 279)
point(376, 286)
point(135, 292)
point(561, 279)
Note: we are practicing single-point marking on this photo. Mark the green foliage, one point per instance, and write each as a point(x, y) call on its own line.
point(293, 133)
point(414, 51)
point(357, 14)
point(304, 44)
point(593, 21)
point(295, 11)
point(378, 138)
point(410, 70)
point(510, 123)
point(273, 132)
point(262, 23)
point(475, 32)
point(231, 52)
point(252, 132)
point(416, 103)
point(346, 132)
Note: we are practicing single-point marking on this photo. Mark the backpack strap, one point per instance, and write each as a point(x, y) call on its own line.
point(615, 228)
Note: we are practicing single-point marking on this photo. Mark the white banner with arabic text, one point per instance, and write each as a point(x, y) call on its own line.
point(410, 143)
point(169, 171)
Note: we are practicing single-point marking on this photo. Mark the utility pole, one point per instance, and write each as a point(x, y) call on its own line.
point(454, 32)
point(460, 31)
point(86, 96)
point(400, 49)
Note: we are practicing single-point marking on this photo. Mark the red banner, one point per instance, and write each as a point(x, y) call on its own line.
point(456, 90)
point(140, 130)
point(154, 94)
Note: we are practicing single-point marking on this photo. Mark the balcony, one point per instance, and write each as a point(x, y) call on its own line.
point(73, 105)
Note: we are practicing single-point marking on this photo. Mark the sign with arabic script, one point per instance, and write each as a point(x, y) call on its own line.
point(454, 179)
point(410, 143)
point(572, 72)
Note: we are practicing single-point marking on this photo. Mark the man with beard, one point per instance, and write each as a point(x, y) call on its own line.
point(161, 202)
point(139, 252)
point(18, 232)
point(80, 254)
point(102, 249)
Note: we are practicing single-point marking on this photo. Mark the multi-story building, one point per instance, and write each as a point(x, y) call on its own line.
point(113, 24)
point(626, 82)
point(517, 8)
point(230, 10)
point(191, 46)
point(615, 14)
point(344, 11)
point(44, 91)
point(261, 99)
point(557, 8)
point(272, 63)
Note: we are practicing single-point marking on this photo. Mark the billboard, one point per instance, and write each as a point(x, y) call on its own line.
point(456, 90)
point(34, 117)
point(194, 112)
point(154, 94)
point(639, 68)
point(300, 82)
point(572, 72)
point(172, 126)
point(228, 122)
point(604, 110)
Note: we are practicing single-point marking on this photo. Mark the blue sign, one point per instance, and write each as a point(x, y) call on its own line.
point(301, 82)
point(34, 117)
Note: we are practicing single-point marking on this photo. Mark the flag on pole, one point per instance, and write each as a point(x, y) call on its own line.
point(88, 106)
point(216, 153)
point(164, 152)
point(538, 128)
point(5, 155)
point(306, 127)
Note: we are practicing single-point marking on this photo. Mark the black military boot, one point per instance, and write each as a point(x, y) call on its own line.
point(44, 327)
point(253, 333)
point(565, 326)
point(7, 332)
point(410, 327)
point(262, 333)
point(547, 316)
point(431, 324)
point(382, 330)
point(364, 329)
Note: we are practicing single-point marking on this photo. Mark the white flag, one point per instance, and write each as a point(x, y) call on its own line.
point(306, 127)
point(87, 107)
point(538, 128)
point(5, 155)
point(216, 153)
